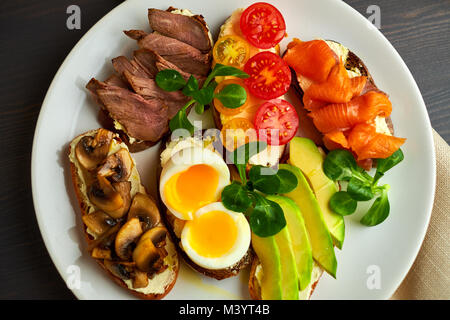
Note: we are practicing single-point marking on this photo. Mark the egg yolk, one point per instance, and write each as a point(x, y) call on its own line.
point(212, 234)
point(192, 189)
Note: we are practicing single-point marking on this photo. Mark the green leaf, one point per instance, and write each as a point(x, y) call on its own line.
point(204, 96)
point(222, 70)
point(232, 96)
point(359, 190)
point(342, 203)
point(213, 85)
point(191, 86)
point(339, 165)
point(170, 80)
point(199, 108)
point(383, 165)
point(378, 212)
point(180, 121)
point(267, 217)
point(264, 179)
point(288, 181)
point(236, 197)
point(269, 181)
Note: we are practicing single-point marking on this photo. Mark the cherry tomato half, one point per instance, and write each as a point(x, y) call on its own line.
point(231, 50)
point(237, 132)
point(270, 76)
point(220, 107)
point(276, 122)
point(263, 25)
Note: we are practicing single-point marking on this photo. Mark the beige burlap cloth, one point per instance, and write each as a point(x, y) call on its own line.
point(429, 277)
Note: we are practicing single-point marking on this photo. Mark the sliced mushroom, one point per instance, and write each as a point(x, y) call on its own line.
point(106, 240)
point(114, 199)
point(146, 255)
point(157, 235)
point(90, 151)
point(149, 252)
point(140, 279)
point(119, 269)
point(127, 235)
point(144, 208)
point(124, 189)
point(117, 166)
point(98, 253)
point(104, 196)
point(98, 222)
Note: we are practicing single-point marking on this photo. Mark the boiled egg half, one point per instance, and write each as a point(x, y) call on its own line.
point(192, 178)
point(216, 238)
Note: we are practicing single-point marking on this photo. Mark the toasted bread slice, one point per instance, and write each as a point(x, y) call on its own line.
point(175, 227)
point(355, 67)
point(273, 153)
point(143, 69)
point(154, 284)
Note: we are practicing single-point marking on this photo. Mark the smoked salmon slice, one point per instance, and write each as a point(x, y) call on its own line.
point(312, 59)
point(335, 140)
point(339, 88)
point(367, 143)
point(343, 116)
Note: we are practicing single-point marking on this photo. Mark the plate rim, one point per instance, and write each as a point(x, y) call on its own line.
point(56, 261)
point(430, 139)
point(44, 107)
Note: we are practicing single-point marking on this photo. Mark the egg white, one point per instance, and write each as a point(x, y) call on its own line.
point(234, 255)
point(183, 160)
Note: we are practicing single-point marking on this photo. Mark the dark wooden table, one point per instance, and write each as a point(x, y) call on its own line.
point(34, 41)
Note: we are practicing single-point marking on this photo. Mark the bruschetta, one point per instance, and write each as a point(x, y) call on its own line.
point(121, 222)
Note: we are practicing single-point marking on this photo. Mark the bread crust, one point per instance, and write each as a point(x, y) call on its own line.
point(83, 211)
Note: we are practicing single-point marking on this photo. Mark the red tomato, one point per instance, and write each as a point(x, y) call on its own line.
point(270, 76)
point(263, 25)
point(276, 122)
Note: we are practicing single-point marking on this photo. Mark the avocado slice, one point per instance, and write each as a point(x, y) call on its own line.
point(289, 274)
point(321, 241)
point(276, 255)
point(299, 238)
point(269, 257)
point(305, 155)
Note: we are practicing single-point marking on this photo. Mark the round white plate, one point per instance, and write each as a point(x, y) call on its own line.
point(373, 261)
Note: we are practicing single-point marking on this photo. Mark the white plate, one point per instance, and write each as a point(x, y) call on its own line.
point(388, 249)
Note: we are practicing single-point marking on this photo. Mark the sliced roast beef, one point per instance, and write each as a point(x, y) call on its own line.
point(135, 34)
point(153, 61)
point(150, 90)
point(94, 85)
point(148, 59)
point(122, 63)
point(186, 57)
point(143, 119)
point(163, 65)
point(190, 30)
point(115, 80)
